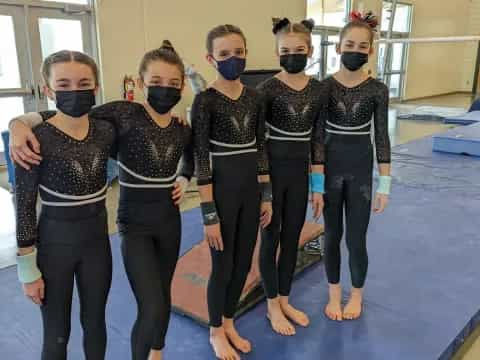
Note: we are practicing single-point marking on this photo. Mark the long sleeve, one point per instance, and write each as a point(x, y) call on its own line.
point(119, 113)
point(187, 165)
point(33, 119)
point(263, 166)
point(318, 135)
point(26, 190)
point(201, 139)
point(382, 140)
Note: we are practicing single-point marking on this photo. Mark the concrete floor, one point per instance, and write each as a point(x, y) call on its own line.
point(401, 131)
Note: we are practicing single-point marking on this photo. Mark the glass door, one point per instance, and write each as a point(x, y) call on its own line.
point(53, 30)
point(16, 84)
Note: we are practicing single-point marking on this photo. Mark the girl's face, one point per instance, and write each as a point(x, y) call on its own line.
point(227, 46)
point(70, 76)
point(161, 73)
point(356, 40)
point(293, 43)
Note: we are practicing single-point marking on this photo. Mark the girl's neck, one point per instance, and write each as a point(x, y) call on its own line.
point(348, 77)
point(162, 120)
point(75, 127)
point(227, 85)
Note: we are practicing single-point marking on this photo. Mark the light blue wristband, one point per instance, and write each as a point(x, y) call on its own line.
point(384, 185)
point(27, 267)
point(317, 182)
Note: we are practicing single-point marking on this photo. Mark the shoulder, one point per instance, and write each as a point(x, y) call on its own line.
point(267, 85)
point(379, 86)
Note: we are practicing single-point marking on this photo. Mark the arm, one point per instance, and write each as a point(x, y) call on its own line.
point(382, 147)
point(201, 122)
point(317, 172)
point(263, 165)
point(24, 146)
point(186, 167)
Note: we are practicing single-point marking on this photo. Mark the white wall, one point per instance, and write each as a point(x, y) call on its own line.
point(128, 28)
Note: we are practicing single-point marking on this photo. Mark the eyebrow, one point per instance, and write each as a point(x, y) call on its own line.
point(62, 80)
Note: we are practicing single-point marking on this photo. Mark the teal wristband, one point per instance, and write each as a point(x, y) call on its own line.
point(317, 182)
point(384, 185)
point(27, 268)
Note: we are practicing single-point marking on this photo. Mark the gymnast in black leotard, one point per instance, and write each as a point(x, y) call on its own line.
point(354, 98)
point(71, 237)
point(294, 106)
point(228, 127)
point(150, 144)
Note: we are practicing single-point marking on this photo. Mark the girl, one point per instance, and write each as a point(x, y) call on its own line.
point(228, 125)
point(354, 98)
point(294, 103)
point(150, 143)
point(71, 238)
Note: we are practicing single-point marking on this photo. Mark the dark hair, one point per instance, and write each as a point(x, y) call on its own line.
point(165, 53)
point(65, 56)
point(284, 26)
point(221, 31)
point(367, 21)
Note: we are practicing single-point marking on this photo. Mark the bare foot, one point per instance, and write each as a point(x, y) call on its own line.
point(155, 355)
point(278, 321)
point(237, 341)
point(222, 348)
point(333, 310)
point(297, 316)
point(353, 309)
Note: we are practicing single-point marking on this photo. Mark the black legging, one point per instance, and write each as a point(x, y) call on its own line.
point(73, 246)
point(348, 183)
point(237, 197)
point(150, 234)
point(290, 195)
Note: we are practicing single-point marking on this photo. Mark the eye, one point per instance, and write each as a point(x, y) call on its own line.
point(240, 52)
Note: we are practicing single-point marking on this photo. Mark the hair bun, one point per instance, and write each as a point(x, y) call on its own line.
point(368, 18)
point(279, 24)
point(309, 24)
point(167, 45)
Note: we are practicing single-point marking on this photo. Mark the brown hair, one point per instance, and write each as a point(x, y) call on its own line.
point(221, 31)
point(65, 56)
point(165, 53)
point(368, 22)
point(284, 26)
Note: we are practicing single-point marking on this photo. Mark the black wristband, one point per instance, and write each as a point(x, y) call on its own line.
point(209, 213)
point(266, 190)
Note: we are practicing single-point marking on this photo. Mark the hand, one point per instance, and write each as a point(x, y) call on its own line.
point(181, 119)
point(22, 140)
point(214, 236)
point(380, 203)
point(179, 189)
point(35, 291)
point(317, 205)
point(265, 214)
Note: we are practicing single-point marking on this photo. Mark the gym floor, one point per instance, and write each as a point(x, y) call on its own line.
point(401, 131)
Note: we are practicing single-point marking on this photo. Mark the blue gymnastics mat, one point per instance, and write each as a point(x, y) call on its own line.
point(463, 140)
point(421, 298)
point(469, 118)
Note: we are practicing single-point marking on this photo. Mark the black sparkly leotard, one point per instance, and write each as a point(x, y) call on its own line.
point(354, 115)
point(72, 235)
point(149, 221)
point(295, 141)
point(230, 154)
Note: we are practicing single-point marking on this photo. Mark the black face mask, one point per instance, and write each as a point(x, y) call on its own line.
point(163, 98)
point(75, 103)
point(293, 63)
point(353, 61)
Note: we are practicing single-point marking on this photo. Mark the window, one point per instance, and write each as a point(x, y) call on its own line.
point(328, 12)
point(79, 2)
point(403, 16)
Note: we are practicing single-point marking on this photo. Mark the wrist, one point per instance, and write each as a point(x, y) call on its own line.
point(317, 183)
point(209, 213)
point(384, 184)
point(266, 191)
